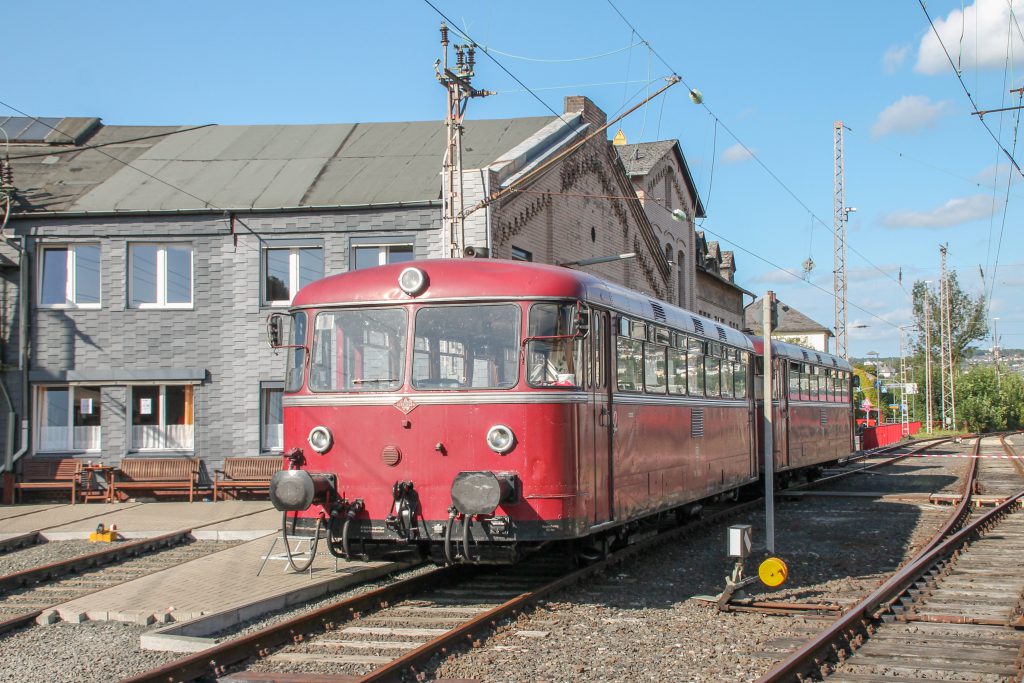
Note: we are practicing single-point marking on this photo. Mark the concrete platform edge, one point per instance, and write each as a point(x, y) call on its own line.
point(191, 635)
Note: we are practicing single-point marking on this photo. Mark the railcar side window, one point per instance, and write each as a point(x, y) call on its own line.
point(655, 380)
point(739, 374)
point(794, 381)
point(296, 354)
point(629, 364)
point(555, 362)
point(805, 383)
point(695, 367)
point(359, 350)
point(712, 386)
point(726, 372)
point(466, 347)
point(676, 370)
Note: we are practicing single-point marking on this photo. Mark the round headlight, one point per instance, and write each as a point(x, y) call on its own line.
point(320, 439)
point(500, 439)
point(412, 281)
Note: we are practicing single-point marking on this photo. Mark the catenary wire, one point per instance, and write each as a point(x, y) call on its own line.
point(967, 92)
point(754, 156)
point(486, 48)
point(657, 202)
point(454, 27)
point(570, 87)
point(99, 148)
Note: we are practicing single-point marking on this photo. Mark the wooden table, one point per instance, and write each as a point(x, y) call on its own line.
point(90, 491)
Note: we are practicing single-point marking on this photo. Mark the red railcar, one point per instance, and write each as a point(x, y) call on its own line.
point(478, 409)
point(812, 414)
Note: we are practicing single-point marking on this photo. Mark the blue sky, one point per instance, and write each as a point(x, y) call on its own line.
point(920, 168)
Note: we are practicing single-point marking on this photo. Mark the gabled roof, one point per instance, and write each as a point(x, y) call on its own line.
point(640, 158)
point(791, 321)
point(252, 167)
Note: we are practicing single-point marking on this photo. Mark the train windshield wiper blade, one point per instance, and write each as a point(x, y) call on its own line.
point(375, 381)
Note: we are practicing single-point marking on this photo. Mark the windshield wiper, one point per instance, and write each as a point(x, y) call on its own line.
point(375, 381)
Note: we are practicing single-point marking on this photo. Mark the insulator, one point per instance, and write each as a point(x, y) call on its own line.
point(472, 56)
point(460, 57)
point(444, 33)
point(6, 174)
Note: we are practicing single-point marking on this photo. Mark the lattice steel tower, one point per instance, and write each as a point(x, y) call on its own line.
point(839, 227)
point(946, 362)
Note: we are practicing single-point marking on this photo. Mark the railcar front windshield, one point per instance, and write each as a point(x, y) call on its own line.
point(359, 350)
point(466, 347)
point(297, 353)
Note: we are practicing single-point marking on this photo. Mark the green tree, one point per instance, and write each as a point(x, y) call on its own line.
point(968, 324)
point(1011, 394)
point(968, 320)
point(979, 406)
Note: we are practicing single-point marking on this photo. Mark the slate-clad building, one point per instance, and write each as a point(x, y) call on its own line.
point(142, 262)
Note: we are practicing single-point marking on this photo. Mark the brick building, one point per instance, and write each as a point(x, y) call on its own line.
point(141, 262)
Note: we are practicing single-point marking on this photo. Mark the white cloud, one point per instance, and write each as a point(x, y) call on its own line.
point(996, 174)
point(736, 154)
point(894, 57)
point(954, 212)
point(975, 38)
point(908, 114)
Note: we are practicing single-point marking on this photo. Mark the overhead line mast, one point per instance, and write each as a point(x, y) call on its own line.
point(458, 84)
point(839, 228)
point(946, 361)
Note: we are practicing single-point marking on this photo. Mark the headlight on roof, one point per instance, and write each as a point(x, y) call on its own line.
point(412, 281)
point(500, 439)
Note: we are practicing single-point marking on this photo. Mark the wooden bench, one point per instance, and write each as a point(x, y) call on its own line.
point(50, 474)
point(156, 474)
point(245, 474)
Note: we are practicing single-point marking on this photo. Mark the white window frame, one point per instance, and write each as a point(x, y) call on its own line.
point(162, 424)
point(383, 249)
point(70, 285)
point(294, 272)
point(161, 275)
point(265, 391)
point(40, 396)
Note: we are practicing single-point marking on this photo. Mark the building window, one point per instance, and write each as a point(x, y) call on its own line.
point(160, 275)
point(69, 276)
point(272, 420)
point(69, 419)
point(162, 417)
point(370, 255)
point(286, 270)
point(523, 255)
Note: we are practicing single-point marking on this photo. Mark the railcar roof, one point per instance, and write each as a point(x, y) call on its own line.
point(459, 279)
point(801, 354)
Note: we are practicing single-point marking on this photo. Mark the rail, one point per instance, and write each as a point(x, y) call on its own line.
point(218, 659)
point(847, 632)
point(106, 556)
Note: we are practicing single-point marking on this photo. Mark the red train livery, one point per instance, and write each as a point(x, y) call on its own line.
point(479, 409)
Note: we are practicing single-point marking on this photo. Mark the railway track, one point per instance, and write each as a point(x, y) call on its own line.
point(954, 612)
point(396, 631)
point(27, 594)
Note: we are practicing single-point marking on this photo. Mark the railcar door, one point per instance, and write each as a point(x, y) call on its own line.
point(600, 414)
point(780, 420)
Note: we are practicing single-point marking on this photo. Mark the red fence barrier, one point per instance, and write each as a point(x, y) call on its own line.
point(875, 437)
